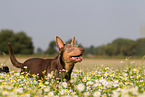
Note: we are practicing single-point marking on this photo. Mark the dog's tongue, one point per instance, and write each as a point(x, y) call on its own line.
point(76, 58)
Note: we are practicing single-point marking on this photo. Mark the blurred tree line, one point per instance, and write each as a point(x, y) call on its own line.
point(23, 43)
point(119, 47)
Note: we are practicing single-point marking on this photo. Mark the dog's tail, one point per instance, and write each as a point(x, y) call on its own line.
point(13, 58)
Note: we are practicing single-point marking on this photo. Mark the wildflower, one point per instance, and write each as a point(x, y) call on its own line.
point(88, 88)
point(22, 73)
point(63, 70)
point(84, 79)
point(41, 84)
point(106, 74)
point(138, 76)
point(115, 85)
point(26, 95)
point(115, 94)
point(125, 74)
point(49, 75)
point(134, 90)
point(19, 90)
point(89, 83)
point(39, 91)
point(5, 92)
point(125, 78)
point(64, 91)
point(121, 62)
point(46, 83)
point(8, 87)
point(43, 72)
point(64, 84)
point(96, 94)
point(37, 74)
point(103, 81)
point(71, 81)
point(74, 94)
point(64, 80)
point(51, 94)
point(86, 94)
point(116, 81)
point(88, 78)
point(107, 68)
point(25, 67)
point(47, 89)
point(17, 74)
point(81, 87)
point(104, 95)
point(118, 89)
point(134, 69)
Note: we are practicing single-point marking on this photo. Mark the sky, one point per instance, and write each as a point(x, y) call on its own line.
point(92, 22)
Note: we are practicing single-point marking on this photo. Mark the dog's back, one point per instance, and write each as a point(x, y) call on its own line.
point(38, 65)
point(35, 65)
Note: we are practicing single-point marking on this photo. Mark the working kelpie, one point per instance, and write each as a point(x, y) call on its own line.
point(69, 54)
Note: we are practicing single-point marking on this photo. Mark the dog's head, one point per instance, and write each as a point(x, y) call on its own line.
point(71, 53)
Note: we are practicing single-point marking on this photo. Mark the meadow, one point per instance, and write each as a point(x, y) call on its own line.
point(92, 77)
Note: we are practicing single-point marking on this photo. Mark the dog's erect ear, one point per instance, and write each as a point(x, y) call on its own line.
point(74, 40)
point(59, 43)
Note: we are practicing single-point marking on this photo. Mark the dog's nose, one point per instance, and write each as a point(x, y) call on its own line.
point(82, 50)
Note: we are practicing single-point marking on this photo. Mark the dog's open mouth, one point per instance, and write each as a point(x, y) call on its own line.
point(77, 58)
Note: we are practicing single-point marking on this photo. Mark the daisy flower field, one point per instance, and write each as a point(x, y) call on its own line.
point(102, 82)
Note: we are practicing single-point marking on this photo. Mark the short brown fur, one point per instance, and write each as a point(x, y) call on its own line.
point(69, 54)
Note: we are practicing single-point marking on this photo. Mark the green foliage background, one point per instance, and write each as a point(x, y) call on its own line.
point(22, 43)
point(119, 47)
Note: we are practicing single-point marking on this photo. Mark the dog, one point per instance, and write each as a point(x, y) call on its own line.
point(69, 54)
point(5, 69)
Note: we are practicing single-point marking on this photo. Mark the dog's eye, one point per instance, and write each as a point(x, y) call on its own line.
point(69, 50)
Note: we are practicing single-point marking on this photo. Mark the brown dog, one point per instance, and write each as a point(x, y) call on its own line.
point(69, 54)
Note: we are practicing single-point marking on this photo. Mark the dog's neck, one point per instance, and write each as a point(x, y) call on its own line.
point(62, 64)
point(68, 66)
